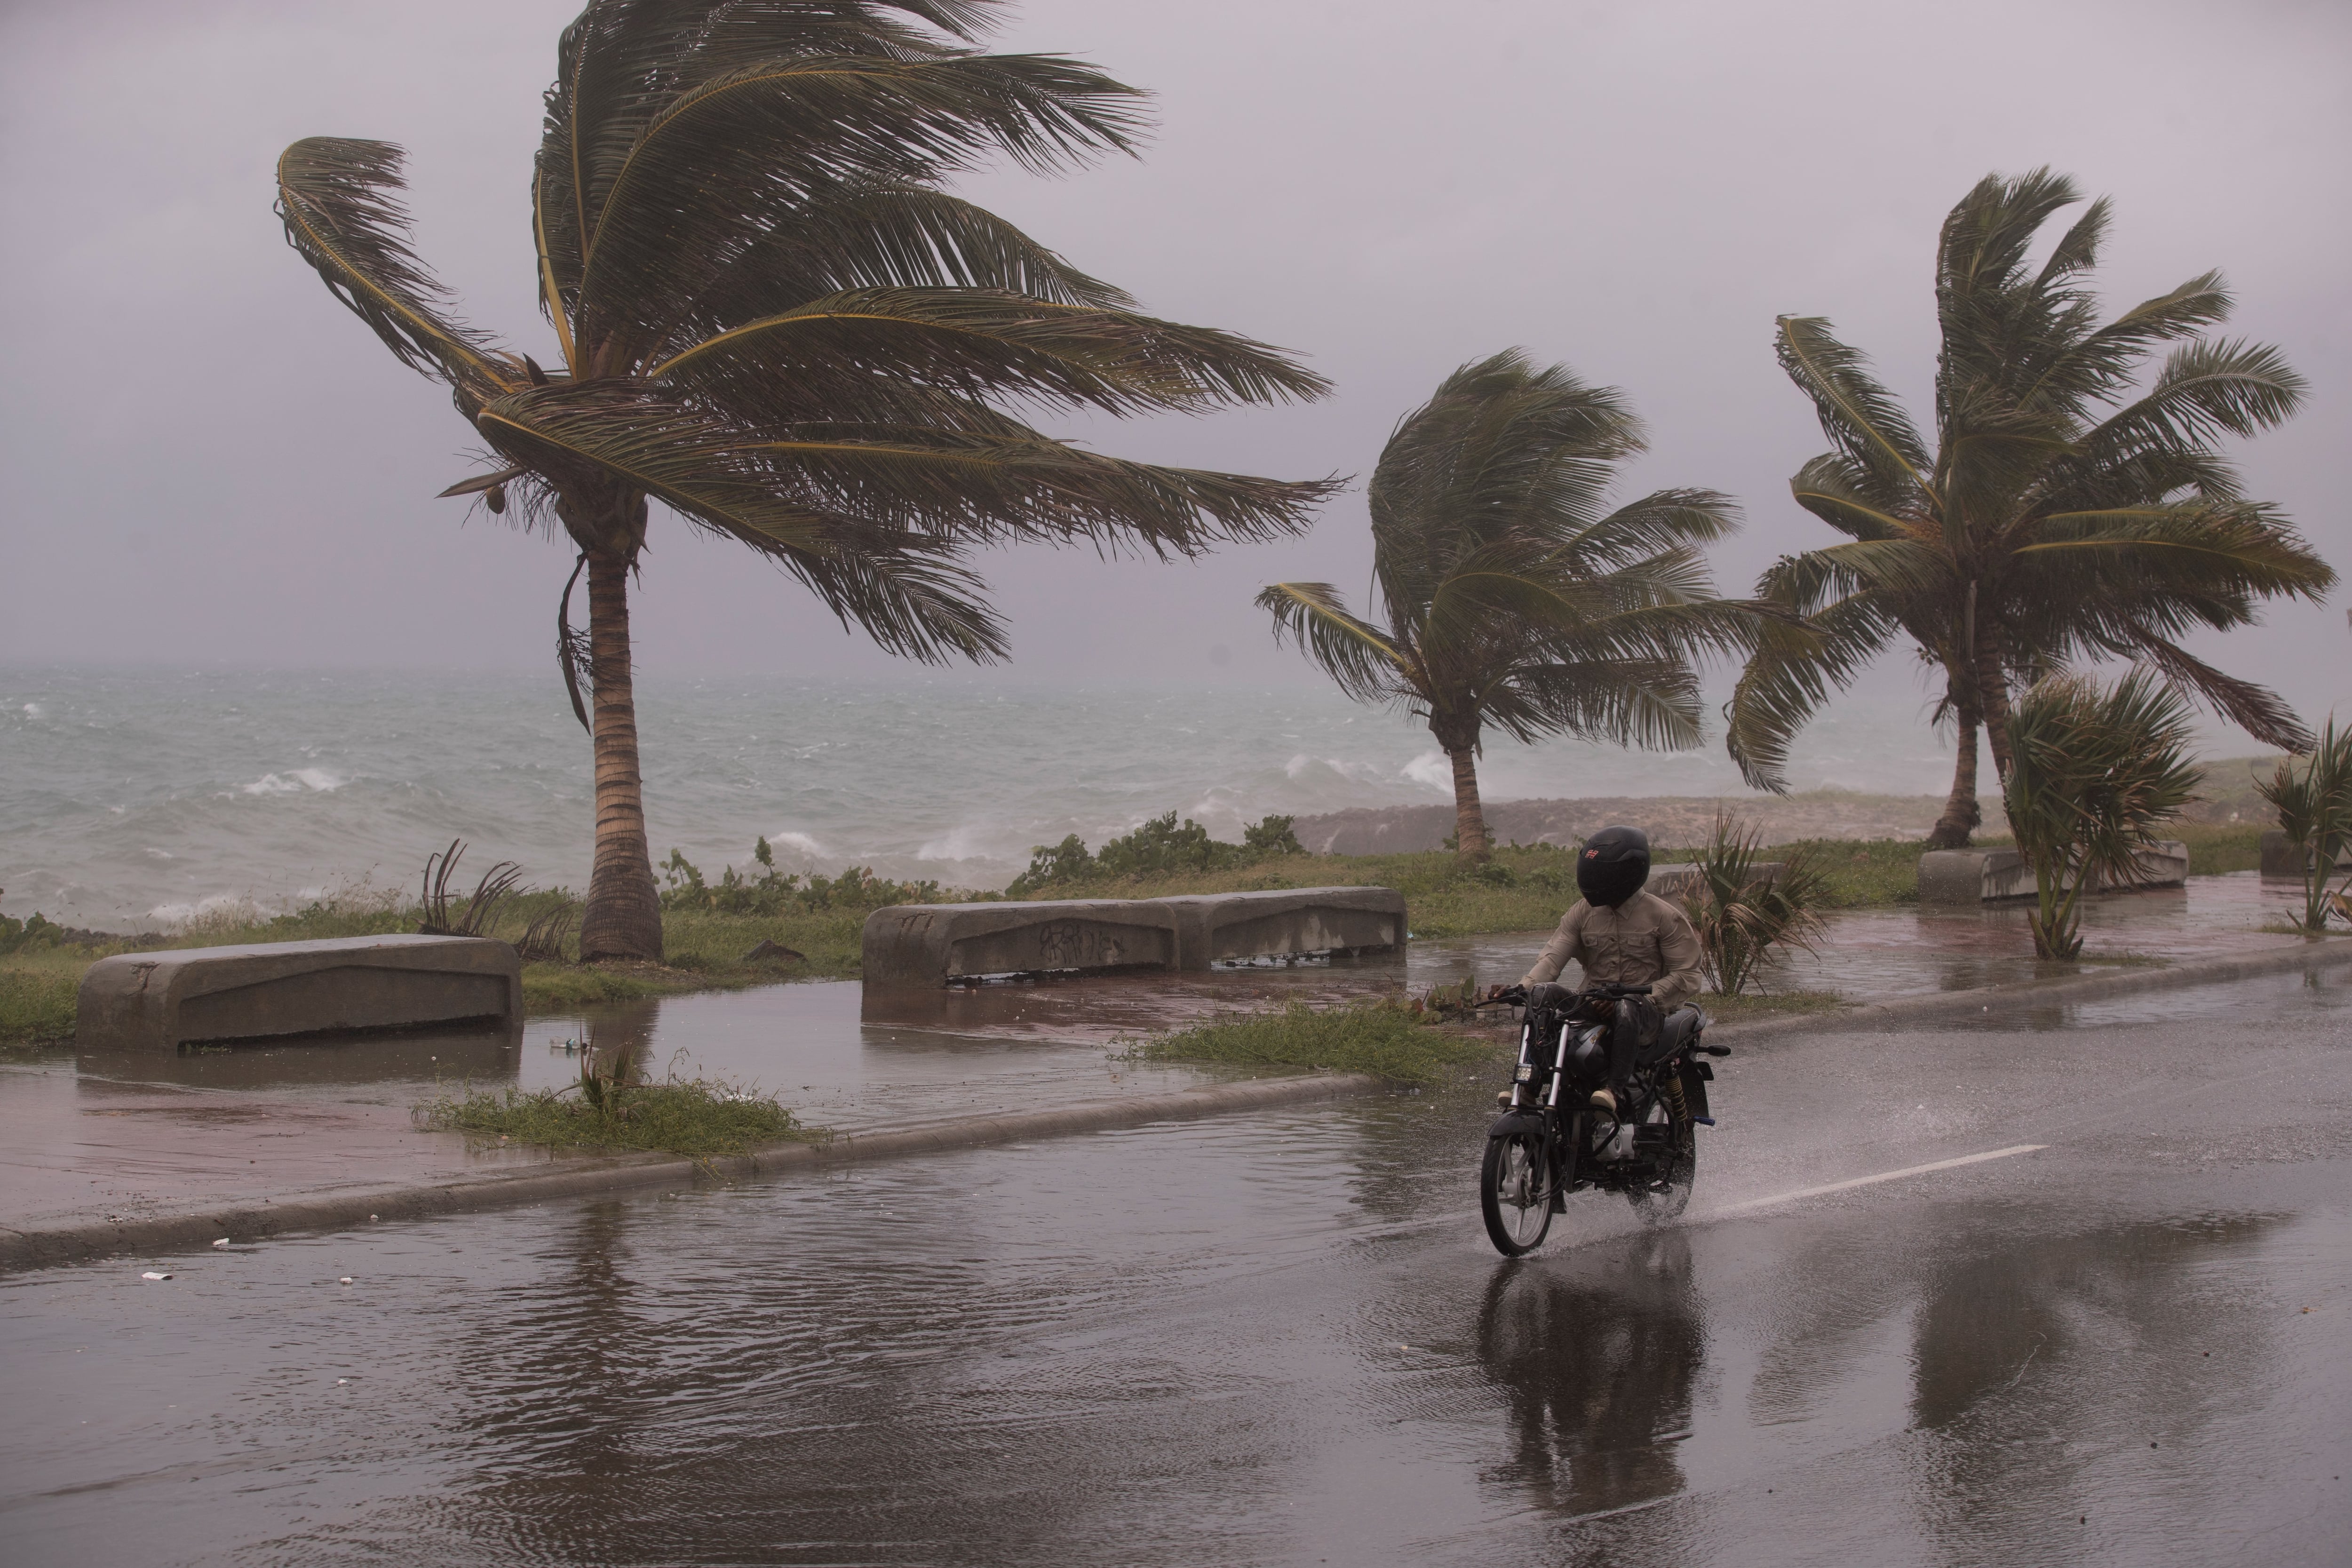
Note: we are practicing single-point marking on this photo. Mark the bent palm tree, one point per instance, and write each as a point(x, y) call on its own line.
point(1512, 598)
point(2066, 513)
point(776, 321)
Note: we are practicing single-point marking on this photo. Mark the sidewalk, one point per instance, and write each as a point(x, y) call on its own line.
point(134, 1143)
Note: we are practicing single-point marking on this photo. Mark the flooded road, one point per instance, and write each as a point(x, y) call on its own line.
point(1283, 1339)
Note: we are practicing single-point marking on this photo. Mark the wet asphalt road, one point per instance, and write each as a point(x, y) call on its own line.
point(1283, 1339)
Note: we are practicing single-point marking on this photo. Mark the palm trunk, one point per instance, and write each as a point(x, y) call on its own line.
point(622, 918)
point(1963, 815)
point(1992, 703)
point(1470, 838)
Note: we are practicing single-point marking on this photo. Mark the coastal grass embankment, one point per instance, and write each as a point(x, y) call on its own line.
point(1522, 889)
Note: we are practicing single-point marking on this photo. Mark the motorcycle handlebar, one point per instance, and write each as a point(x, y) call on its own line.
point(1517, 995)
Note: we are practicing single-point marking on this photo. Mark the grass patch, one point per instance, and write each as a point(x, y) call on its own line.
point(36, 1001)
point(701, 1118)
point(1382, 1039)
point(2216, 848)
point(1774, 1004)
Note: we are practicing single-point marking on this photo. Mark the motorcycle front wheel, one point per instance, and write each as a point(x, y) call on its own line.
point(1664, 1201)
point(1514, 1192)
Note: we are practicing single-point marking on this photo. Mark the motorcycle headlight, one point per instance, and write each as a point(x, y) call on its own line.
point(1527, 1072)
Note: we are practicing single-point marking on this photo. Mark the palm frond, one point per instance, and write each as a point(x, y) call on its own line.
point(729, 158)
point(2250, 547)
point(688, 459)
point(989, 489)
point(1829, 488)
point(1860, 417)
point(1364, 661)
point(621, 63)
point(872, 236)
point(1792, 673)
point(2107, 360)
point(1650, 703)
point(2206, 390)
point(339, 200)
point(979, 344)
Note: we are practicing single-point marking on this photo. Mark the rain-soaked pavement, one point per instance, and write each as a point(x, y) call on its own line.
point(1282, 1339)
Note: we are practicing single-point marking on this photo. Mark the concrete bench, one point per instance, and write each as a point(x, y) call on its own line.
point(932, 944)
point(2280, 858)
point(1224, 927)
point(1991, 876)
point(158, 1001)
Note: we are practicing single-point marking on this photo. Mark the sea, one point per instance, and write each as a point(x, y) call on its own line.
point(141, 799)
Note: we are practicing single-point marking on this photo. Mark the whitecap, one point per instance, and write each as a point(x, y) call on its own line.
point(162, 854)
point(170, 915)
point(295, 781)
point(32, 710)
point(961, 842)
point(1431, 768)
point(799, 843)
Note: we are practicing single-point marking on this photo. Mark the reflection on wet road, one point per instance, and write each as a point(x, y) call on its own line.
point(1282, 1339)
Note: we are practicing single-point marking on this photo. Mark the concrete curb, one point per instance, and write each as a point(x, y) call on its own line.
point(46, 1246)
point(1955, 1005)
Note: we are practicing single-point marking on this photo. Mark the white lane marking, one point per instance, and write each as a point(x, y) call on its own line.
point(1882, 1176)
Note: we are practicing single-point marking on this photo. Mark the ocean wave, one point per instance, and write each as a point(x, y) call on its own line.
point(171, 917)
point(1433, 769)
point(798, 843)
point(295, 782)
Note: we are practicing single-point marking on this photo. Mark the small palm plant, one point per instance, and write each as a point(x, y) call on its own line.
point(2314, 809)
point(1741, 913)
point(2092, 773)
point(1513, 598)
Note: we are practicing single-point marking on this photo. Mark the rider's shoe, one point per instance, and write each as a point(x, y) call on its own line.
point(1604, 1101)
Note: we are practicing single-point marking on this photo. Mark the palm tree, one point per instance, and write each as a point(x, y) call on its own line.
point(1513, 599)
point(2072, 508)
point(776, 321)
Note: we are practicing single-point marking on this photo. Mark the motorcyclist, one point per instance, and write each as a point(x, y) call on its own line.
point(1623, 936)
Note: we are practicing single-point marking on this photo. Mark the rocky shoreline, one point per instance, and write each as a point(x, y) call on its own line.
point(1671, 821)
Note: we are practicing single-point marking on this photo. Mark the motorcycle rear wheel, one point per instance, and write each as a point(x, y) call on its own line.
point(1515, 1192)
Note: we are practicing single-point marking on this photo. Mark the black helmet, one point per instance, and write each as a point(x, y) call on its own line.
point(1612, 866)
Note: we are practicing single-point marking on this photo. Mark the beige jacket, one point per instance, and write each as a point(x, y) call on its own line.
point(1644, 940)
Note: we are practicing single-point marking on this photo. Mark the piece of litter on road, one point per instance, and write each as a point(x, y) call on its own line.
point(345, 1280)
point(150, 1274)
point(341, 1381)
point(222, 1242)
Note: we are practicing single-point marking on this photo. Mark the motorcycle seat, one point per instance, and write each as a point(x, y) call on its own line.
point(1676, 1032)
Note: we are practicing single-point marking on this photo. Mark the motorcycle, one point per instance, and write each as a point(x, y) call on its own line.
point(1550, 1141)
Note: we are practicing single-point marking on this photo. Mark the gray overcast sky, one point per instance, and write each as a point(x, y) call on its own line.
point(205, 459)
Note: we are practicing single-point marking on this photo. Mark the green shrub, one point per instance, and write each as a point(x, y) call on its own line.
point(29, 935)
point(1160, 848)
point(773, 893)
